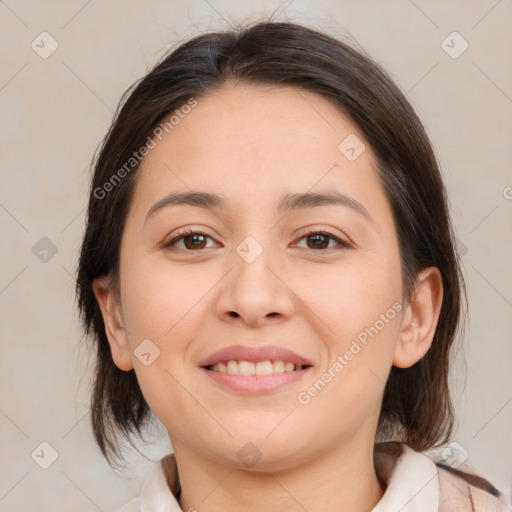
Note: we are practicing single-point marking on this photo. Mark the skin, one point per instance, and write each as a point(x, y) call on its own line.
point(252, 144)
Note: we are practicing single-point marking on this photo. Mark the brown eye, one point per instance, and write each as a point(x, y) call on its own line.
point(192, 240)
point(195, 241)
point(320, 240)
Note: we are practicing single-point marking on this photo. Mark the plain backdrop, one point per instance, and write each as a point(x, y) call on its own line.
point(55, 109)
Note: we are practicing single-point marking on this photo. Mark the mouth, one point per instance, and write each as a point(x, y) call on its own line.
point(257, 354)
point(248, 368)
point(254, 383)
point(255, 370)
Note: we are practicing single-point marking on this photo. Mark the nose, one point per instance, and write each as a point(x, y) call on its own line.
point(255, 292)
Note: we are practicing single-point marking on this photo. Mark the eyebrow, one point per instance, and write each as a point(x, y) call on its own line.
point(287, 202)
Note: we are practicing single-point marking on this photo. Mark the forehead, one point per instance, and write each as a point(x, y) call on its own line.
point(254, 142)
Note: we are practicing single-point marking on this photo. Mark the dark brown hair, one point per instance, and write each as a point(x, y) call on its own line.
point(416, 405)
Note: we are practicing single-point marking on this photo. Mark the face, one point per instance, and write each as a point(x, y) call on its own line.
point(265, 273)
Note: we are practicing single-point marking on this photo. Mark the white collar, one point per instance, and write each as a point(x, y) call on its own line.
point(412, 486)
point(156, 496)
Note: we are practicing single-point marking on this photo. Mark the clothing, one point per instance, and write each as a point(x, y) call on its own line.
point(414, 483)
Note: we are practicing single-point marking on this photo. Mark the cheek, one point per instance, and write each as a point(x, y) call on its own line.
point(351, 381)
point(349, 298)
point(163, 311)
point(161, 314)
point(157, 297)
point(359, 306)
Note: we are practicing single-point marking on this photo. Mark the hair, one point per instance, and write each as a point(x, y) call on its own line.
point(416, 405)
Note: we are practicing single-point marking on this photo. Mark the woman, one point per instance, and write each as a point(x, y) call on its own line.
point(269, 269)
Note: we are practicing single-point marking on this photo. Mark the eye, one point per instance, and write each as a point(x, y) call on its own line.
point(192, 240)
point(196, 240)
point(320, 240)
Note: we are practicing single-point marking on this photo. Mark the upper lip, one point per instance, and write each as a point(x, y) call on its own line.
point(255, 354)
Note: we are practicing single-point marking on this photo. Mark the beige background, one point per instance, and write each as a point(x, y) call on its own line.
point(54, 113)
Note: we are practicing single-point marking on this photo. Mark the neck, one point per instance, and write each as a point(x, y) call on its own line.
point(343, 479)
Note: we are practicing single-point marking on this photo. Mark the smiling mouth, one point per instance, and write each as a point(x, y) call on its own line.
point(248, 368)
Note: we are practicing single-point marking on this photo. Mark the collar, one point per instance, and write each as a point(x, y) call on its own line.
point(411, 480)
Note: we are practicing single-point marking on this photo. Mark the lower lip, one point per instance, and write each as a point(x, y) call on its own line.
point(255, 384)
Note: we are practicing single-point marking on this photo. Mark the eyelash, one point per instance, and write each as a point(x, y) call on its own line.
point(189, 231)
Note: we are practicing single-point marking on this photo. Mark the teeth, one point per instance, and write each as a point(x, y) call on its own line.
point(264, 368)
point(246, 368)
point(278, 366)
point(260, 368)
point(232, 368)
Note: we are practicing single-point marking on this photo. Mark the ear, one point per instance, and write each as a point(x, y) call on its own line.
point(114, 323)
point(420, 319)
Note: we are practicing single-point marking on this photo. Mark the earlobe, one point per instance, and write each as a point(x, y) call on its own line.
point(420, 319)
point(114, 325)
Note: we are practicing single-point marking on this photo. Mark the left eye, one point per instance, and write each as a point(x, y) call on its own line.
point(193, 240)
point(320, 240)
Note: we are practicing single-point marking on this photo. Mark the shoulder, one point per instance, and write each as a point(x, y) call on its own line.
point(160, 491)
point(131, 506)
point(463, 489)
point(423, 480)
